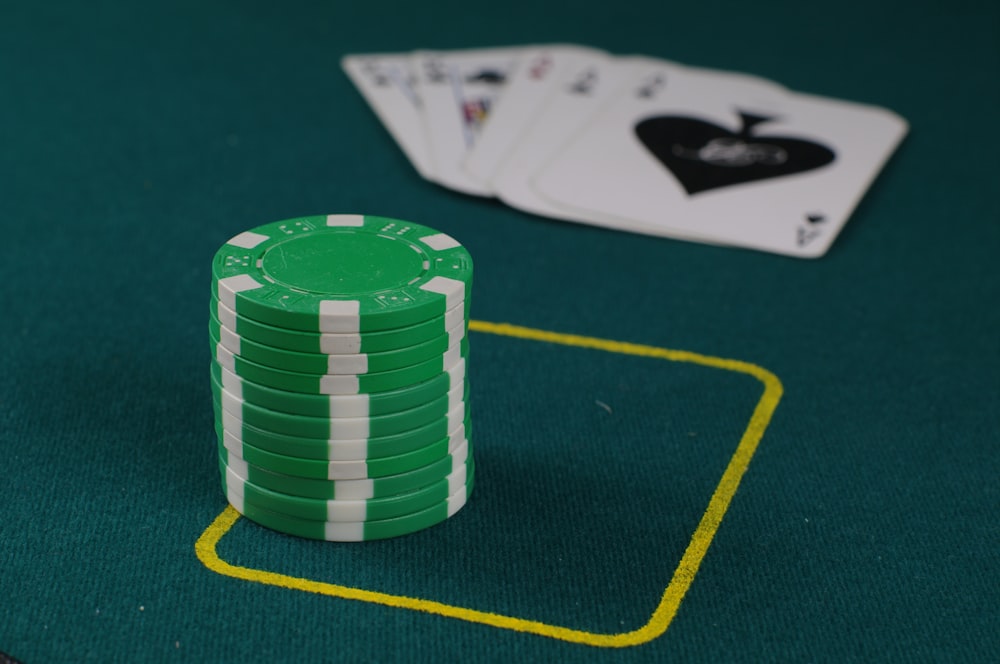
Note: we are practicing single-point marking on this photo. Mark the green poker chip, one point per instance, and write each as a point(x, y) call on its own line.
point(345, 510)
point(342, 273)
point(340, 428)
point(353, 489)
point(339, 360)
point(354, 531)
point(343, 343)
point(317, 363)
point(457, 421)
point(384, 445)
point(321, 469)
point(295, 381)
point(345, 405)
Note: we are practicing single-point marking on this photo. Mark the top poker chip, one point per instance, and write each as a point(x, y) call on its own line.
point(342, 273)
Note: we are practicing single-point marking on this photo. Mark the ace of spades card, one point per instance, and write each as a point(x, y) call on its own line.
point(734, 160)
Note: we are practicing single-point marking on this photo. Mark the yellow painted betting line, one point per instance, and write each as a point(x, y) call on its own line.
point(684, 574)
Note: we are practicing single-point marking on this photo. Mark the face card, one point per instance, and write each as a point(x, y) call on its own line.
point(738, 163)
point(389, 85)
point(573, 100)
point(528, 87)
point(460, 89)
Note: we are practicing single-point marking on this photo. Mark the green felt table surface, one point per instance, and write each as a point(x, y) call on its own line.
point(135, 138)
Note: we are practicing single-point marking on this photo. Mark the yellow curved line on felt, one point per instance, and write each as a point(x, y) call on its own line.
point(683, 576)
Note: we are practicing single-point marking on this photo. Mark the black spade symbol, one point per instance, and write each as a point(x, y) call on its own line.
point(704, 156)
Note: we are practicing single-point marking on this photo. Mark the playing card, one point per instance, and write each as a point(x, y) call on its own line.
point(739, 162)
point(459, 90)
point(566, 113)
point(572, 100)
point(389, 85)
point(528, 87)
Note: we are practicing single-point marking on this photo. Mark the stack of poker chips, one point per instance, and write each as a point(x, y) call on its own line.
point(339, 376)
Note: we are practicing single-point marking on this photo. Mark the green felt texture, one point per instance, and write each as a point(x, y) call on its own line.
point(135, 138)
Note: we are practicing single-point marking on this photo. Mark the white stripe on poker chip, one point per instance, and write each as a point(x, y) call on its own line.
point(451, 356)
point(235, 490)
point(339, 343)
point(349, 512)
point(228, 287)
point(456, 501)
point(456, 393)
point(225, 315)
point(340, 316)
point(347, 364)
point(232, 425)
point(231, 382)
point(231, 404)
point(456, 334)
point(347, 531)
point(235, 484)
point(456, 372)
point(347, 470)
point(230, 339)
point(339, 384)
point(456, 416)
point(354, 489)
point(346, 450)
point(452, 289)
point(225, 358)
point(247, 240)
point(456, 438)
point(350, 428)
point(458, 478)
point(455, 316)
point(232, 445)
point(345, 220)
point(238, 465)
point(456, 397)
point(350, 405)
point(460, 455)
point(440, 242)
point(234, 497)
